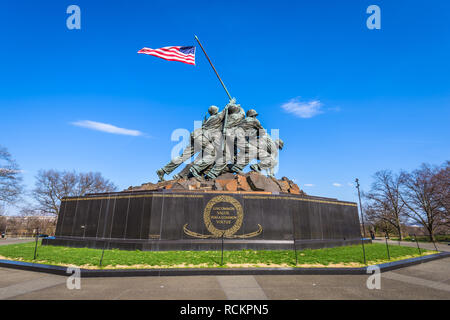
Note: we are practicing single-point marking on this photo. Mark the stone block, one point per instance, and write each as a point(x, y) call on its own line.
point(255, 180)
point(243, 184)
point(232, 185)
point(217, 186)
point(271, 186)
point(223, 182)
point(294, 189)
point(179, 186)
point(259, 182)
point(284, 185)
point(226, 176)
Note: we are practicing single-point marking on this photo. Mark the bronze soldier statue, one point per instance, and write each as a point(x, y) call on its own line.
point(267, 154)
point(225, 147)
point(199, 142)
point(218, 142)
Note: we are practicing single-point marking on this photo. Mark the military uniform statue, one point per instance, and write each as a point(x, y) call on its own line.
point(218, 140)
point(267, 154)
point(247, 133)
point(199, 142)
point(225, 148)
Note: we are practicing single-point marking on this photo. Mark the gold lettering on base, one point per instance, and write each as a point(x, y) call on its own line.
point(222, 216)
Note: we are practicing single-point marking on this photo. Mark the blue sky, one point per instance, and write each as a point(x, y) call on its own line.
point(376, 99)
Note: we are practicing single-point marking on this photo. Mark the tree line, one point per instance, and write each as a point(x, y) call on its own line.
point(394, 201)
point(49, 189)
point(420, 197)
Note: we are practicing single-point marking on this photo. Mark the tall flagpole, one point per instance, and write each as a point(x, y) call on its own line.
point(218, 77)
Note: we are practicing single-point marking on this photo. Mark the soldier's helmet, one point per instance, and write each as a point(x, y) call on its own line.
point(279, 143)
point(252, 113)
point(234, 108)
point(213, 110)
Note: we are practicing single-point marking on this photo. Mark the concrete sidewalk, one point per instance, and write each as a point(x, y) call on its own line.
point(441, 246)
point(7, 241)
point(429, 280)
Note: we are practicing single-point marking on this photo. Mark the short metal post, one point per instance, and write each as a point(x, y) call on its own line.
point(293, 236)
point(364, 250)
point(35, 246)
point(417, 242)
point(103, 253)
point(295, 250)
point(387, 246)
point(221, 261)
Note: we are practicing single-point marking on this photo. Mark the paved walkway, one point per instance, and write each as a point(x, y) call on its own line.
point(429, 280)
point(441, 246)
point(13, 240)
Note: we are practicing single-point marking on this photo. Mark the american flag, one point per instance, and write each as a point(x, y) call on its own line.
point(175, 53)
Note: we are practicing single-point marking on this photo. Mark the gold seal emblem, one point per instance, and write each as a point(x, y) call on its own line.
point(222, 216)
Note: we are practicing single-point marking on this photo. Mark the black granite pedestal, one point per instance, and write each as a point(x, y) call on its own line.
point(155, 220)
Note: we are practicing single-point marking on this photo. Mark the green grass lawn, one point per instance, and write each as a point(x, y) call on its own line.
point(351, 256)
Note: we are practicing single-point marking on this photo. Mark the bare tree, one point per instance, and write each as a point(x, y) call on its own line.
point(93, 182)
point(32, 221)
point(51, 186)
point(385, 204)
point(3, 222)
point(420, 195)
point(442, 181)
point(10, 178)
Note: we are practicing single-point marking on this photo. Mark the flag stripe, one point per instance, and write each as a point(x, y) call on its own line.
point(177, 50)
point(172, 53)
point(164, 50)
point(165, 57)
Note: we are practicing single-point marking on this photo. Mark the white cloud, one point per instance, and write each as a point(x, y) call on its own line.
point(309, 185)
point(350, 184)
point(105, 127)
point(337, 184)
point(303, 109)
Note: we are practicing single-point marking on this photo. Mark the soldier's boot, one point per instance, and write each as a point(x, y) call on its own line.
point(211, 175)
point(196, 175)
point(237, 169)
point(270, 173)
point(160, 173)
point(255, 167)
